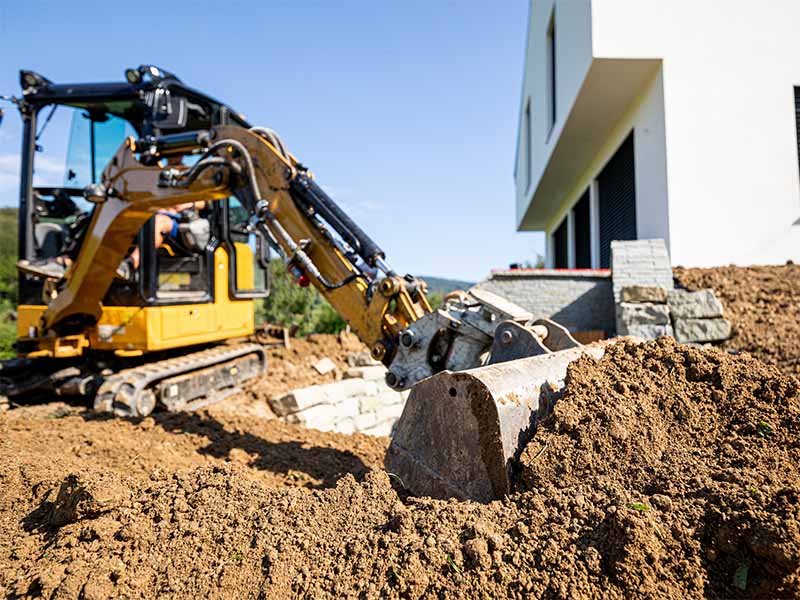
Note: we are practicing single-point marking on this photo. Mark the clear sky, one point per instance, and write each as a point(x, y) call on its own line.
point(406, 111)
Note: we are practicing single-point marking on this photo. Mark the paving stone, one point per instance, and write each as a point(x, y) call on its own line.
point(329, 393)
point(324, 365)
point(321, 416)
point(372, 373)
point(345, 426)
point(644, 293)
point(702, 304)
point(365, 421)
point(349, 407)
point(383, 429)
point(392, 411)
point(702, 330)
point(361, 359)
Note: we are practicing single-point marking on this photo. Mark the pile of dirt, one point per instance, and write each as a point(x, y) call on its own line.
point(763, 303)
point(665, 471)
point(674, 472)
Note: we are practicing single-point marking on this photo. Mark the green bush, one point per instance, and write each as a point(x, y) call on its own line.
point(289, 304)
point(8, 330)
point(8, 280)
point(8, 254)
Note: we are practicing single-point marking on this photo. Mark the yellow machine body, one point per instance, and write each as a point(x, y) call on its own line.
point(134, 330)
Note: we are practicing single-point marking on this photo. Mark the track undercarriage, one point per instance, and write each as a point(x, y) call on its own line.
point(178, 383)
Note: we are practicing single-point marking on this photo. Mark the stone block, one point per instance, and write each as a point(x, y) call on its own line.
point(391, 411)
point(383, 429)
point(630, 314)
point(385, 398)
point(298, 400)
point(361, 359)
point(372, 373)
point(640, 262)
point(702, 330)
point(345, 426)
point(349, 407)
point(324, 366)
point(650, 332)
point(644, 293)
point(703, 304)
point(365, 421)
point(330, 393)
point(321, 416)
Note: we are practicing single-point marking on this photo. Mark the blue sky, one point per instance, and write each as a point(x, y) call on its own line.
point(405, 111)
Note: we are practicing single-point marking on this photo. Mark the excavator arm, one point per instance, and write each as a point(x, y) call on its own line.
point(319, 242)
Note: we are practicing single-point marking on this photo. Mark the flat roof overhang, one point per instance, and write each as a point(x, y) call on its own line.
point(610, 88)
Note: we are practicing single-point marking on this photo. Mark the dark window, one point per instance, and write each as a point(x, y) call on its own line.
point(551, 70)
point(797, 120)
point(616, 187)
point(583, 233)
point(561, 246)
point(528, 145)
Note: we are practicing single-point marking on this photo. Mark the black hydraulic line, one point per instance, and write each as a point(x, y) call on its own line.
point(270, 224)
point(174, 142)
point(188, 177)
point(308, 194)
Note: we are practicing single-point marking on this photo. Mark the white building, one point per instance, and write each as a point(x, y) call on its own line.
point(673, 119)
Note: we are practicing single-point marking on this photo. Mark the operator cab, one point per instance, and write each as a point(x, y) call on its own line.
point(70, 132)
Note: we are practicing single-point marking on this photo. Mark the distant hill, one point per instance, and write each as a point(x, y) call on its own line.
point(444, 286)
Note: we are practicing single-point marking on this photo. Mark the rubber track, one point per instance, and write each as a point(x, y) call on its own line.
point(120, 392)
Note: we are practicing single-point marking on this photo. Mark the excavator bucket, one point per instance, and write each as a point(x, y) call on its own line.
point(461, 433)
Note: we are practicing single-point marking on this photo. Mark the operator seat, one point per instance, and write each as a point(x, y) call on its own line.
point(49, 239)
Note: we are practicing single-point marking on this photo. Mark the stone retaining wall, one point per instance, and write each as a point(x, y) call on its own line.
point(361, 402)
point(579, 299)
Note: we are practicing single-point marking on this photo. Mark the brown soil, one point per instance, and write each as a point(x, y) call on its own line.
point(290, 368)
point(763, 303)
point(665, 471)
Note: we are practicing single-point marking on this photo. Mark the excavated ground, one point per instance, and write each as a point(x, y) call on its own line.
point(763, 303)
point(665, 471)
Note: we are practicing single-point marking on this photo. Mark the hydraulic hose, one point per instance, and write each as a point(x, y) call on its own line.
point(307, 193)
point(297, 253)
point(266, 216)
point(188, 177)
point(273, 138)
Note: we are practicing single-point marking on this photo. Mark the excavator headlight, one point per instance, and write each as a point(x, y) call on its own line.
point(95, 193)
point(133, 76)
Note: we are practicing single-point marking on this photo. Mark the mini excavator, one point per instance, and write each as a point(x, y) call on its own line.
point(176, 330)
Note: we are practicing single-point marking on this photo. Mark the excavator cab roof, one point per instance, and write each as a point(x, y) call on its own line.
point(152, 100)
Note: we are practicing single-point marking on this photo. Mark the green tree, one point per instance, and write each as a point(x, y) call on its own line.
point(290, 305)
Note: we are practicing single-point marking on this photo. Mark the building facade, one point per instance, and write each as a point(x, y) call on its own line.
point(646, 119)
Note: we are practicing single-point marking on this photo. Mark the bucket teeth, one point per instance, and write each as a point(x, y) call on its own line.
point(460, 434)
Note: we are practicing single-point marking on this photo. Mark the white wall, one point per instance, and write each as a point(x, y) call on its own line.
point(731, 149)
point(573, 24)
point(645, 117)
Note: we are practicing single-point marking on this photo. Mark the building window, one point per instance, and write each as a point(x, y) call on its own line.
point(616, 187)
point(561, 246)
point(797, 120)
point(528, 158)
point(583, 232)
point(551, 71)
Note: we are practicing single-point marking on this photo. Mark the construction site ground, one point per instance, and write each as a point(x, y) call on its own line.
point(666, 471)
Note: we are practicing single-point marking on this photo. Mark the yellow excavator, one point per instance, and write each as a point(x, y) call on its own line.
point(116, 306)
